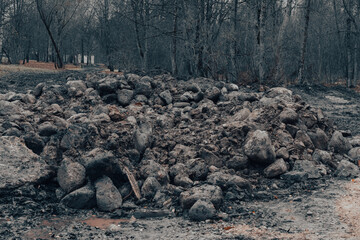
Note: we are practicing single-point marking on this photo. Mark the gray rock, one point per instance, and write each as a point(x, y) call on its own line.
point(154, 169)
point(213, 93)
point(198, 169)
point(150, 187)
point(282, 153)
point(241, 115)
point(143, 86)
point(231, 87)
point(347, 169)
point(308, 167)
point(178, 169)
point(323, 157)
point(142, 138)
point(339, 143)
point(294, 176)
point(225, 181)
point(82, 198)
point(275, 169)
point(108, 197)
point(125, 96)
point(38, 89)
point(181, 104)
point(34, 142)
point(208, 192)
point(355, 153)
point(237, 162)
point(166, 96)
point(259, 148)
point(47, 129)
point(71, 175)
point(75, 136)
point(99, 162)
point(108, 85)
point(202, 210)
point(9, 108)
point(303, 137)
point(288, 115)
point(274, 92)
point(211, 159)
point(183, 181)
point(76, 88)
point(319, 139)
point(19, 165)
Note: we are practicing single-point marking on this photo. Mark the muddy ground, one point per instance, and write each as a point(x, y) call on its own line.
point(319, 209)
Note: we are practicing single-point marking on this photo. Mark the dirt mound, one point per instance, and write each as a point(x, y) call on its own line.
point(185, 147)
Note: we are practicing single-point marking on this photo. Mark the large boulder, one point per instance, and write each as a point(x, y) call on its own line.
point(202, 210)
point(71, 175)
point(108, 197)
point(339, 143)
point(259, 148)
point(82, 198)
point(19, 165)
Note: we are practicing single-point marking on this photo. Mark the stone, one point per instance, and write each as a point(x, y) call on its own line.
point(150, 187)
point(213, 93)
point(143, 86)
point(319, 139)
point(71, 175)
point(323, 157)
point(76, 136)
point(115, 114)
point(154, 169)
point(276, 169)
point(259, 148)
point(294, 176)
point(19, 165)
point(241, 115)
point(98, 162)
point(166, 96)
point(38, 89)
point(288, 116)
point(178, 169)
point(82, 198)
point(142, 138)
point(34, 142)
point(347, 169)
point(237, 162)
point(125, 96)
point(198, 170)
point(9, 108)
point(209, 192)
point(274, 92)
point(210, 158)
point(226, 181)
point(202, 210)
point(183, 181)
point(339, 143)
point(282, 153)
point(231, 87)
point(108, 85)
point(303, 137)
point(47, 129)
point(308, 167)
point(76, 88)
point(108, 197)
point(355, 153)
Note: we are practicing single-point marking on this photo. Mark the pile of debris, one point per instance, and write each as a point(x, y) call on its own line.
point(123, 141)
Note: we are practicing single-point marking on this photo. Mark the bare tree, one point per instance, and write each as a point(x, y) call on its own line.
point(304, 42)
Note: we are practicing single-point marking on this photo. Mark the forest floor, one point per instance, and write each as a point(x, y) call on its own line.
point(330, 209)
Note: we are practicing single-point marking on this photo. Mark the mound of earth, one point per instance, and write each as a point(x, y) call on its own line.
point(194, 148)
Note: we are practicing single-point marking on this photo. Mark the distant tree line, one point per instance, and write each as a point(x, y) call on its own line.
point(270, 41)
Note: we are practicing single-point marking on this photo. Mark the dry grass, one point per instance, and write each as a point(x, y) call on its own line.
point(5, 69)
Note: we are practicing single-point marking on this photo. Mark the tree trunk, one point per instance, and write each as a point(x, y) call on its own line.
point(174, 67)
point(261, 22)
point(348, 52)
point(234, 50)
point(280, 42)
point(303, 47)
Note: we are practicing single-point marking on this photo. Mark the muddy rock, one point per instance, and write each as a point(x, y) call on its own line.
point(19, 165)
point(125, 96)
point(151, 168)
point(303, 137)
point(208, 192)
point(166, 96)
point(347, 169)
point(71, 175)
point(210, 158)
point(76, 136)
point(355, 153)
point(143, 136)
point(213, 94)
point(82, 198)
point(108, 197)
point(202, 210)
point(225, 181)
point(47, 129)
point(308, 167)
point(237, 162)
point(150, 187)
point(259, 148)
point(339, 143)
point(275, 169)
point(324, 157)
point(34, 142)
point(320, 139)
point(288, 116)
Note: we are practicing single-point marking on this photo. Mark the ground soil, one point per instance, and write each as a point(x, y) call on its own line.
point(322, 209)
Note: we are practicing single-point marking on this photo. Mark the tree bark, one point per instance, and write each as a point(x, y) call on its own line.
point(303, 47)
point(174, 66)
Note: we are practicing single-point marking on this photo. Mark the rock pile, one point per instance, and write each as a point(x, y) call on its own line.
point(187, 145)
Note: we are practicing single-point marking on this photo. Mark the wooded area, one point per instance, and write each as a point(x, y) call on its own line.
point(271, 41)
